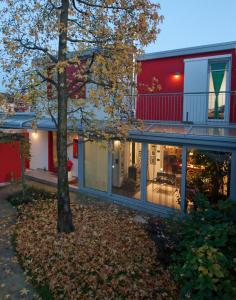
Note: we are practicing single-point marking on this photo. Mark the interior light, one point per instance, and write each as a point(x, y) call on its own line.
point(117, 143)
point(35, 134)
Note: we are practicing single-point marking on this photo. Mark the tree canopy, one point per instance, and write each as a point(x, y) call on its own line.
point(53, 50)
point(102, 40)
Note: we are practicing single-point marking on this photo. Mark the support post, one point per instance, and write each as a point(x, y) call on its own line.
point(144, 172)
point(22, 160)
point(109, 187)
point(81, 163)
point(233, 176)
point(183, 179)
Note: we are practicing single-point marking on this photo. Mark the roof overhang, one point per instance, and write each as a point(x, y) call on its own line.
point(188, 51)
point(219, 137)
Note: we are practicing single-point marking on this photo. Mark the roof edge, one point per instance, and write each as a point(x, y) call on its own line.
point(189, 51)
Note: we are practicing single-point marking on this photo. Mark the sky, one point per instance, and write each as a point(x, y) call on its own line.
point(190, 23)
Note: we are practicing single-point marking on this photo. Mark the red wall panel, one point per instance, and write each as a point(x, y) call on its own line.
point(72, 75)
point(10, 165)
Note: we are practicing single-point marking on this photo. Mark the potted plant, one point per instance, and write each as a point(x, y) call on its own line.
point(69, 168)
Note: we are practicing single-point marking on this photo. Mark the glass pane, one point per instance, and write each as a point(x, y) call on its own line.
point(95, 166)
point(164, 175)
point(217, 89)
point(126, 169)
point(208, 173)
point(180, 129)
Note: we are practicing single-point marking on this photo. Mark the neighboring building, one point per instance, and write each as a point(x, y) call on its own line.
point(189, 127)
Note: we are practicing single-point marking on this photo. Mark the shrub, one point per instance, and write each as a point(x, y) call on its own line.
point(31, 194)
point(205, 257)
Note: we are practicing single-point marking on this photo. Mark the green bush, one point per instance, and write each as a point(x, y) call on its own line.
point(31, 194)
point(205, 257)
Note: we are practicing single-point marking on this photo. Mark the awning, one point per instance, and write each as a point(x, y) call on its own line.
point(213, 135)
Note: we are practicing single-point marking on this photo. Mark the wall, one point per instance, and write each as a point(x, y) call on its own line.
point(10, 165)
point(164, 70)
point(38, 149)
point(51, 145)
point(71, 137)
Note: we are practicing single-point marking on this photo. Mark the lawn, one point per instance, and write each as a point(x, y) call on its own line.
point(109, 256)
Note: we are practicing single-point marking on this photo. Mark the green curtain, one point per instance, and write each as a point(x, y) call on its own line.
point(217, 71)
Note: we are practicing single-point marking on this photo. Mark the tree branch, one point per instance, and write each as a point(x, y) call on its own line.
point(36, 47)
point(47, 79)
point(100, 6)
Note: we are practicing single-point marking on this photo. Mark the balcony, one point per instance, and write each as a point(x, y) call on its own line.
point(199, 108)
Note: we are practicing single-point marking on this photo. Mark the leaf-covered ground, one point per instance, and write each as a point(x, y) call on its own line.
point(109, 256)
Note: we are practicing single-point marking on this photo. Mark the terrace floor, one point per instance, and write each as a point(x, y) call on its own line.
point(48, 177)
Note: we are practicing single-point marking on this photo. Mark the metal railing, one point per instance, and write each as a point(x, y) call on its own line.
point(189, 107)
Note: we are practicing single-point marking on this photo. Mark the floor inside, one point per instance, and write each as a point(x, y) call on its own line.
point(159, 194)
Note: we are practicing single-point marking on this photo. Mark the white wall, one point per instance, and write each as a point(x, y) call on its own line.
point(38, 149)
point(70, 155)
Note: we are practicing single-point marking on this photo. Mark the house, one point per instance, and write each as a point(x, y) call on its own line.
point(187, 144)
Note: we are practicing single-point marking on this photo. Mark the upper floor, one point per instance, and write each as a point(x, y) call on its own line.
point(195, 84)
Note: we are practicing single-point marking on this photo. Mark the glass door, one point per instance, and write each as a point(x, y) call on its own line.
point(218, 82)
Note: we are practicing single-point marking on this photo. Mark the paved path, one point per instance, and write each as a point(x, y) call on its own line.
point(12, 279)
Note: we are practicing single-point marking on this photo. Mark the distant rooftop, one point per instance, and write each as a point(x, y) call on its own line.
point(189, 51)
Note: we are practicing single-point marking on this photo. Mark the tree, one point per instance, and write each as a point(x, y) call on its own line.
point(95, 40)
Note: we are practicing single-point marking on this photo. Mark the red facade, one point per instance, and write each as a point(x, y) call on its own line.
point(170, 74)
point(10, 165)
point(10, 162)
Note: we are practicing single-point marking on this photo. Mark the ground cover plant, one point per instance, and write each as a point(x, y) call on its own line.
point(204, 260)
point(109, 255)
point(29, 195)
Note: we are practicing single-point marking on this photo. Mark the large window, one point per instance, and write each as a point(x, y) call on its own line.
point(126, 169)
point(164, 175)
point(96, 166)
point(208, 173)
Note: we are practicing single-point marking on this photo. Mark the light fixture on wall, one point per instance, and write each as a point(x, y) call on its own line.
point(177, 75)
point(35, 134)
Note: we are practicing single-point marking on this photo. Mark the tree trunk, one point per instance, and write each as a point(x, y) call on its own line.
point(64, 221)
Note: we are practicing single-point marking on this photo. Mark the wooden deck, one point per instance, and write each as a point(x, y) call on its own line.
point(47, 177)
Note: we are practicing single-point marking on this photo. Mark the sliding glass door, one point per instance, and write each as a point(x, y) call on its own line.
point(126, 169)
point(164, 175)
